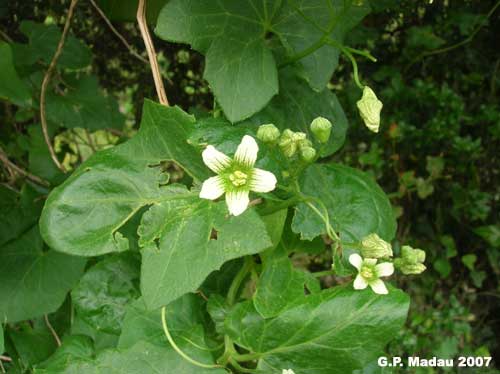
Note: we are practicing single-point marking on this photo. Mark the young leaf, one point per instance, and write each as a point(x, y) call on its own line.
point(84, 214)
point(34, 282)
point(356, 205)
point(333, 332)
point(101, 296)
point(180, 251)
point(239, 66)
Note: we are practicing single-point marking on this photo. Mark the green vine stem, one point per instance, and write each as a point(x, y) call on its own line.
point(230, 351)
point(175, 346)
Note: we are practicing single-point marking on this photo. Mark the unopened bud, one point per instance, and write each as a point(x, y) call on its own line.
point(369, 107)
point(321, 129)
point(372, 246)
point(308, 154)
point(411, 261)
point(290, 142)
point(268, 133)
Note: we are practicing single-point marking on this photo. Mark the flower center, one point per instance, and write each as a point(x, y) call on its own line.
point(238, 178)
point(367, 272)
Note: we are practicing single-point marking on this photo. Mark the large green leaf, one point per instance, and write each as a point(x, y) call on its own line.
point(239, 66)
point(143, 357)
point(84, 105)
point(12, 87)
point(73, 348)
point(101, 296)
point(237, 36)
point(297, 105)
point(356, 205)
point(180, 251)
point(279, 284)
point(43, 41)
point(333, 332)
point(34, 282)
point(143, 347)
point(18, 211)
point(303, 24)
point(185, 318)
point(83, 215)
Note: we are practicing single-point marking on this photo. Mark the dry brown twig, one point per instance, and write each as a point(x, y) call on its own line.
point(45, 84)
point(150, 48)
point(131, 49)
point(5, 160)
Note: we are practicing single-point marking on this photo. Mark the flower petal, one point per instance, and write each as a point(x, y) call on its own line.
point(356, 260)
point(360, 283)
point(237, 202)
point(378, 286)
point(384, 269)
point(214, 159)
point(263, 181)
point(247, 151)
point(212, 188)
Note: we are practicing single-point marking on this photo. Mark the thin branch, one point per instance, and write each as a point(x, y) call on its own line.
point(5, 358)
point(117, 33)
point(150, 48)
point(6, 37)
point(459, 44)
point(45, 84)
point(5, 160)
point(52, 331)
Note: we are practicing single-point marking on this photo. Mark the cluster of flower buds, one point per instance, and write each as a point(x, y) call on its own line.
point(293, 143)
point(411, 261)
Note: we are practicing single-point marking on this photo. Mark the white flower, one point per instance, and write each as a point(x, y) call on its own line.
point(236, 177)
point(369, 273)
point(287, 371)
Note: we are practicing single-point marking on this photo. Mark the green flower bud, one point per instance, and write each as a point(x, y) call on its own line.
point(369, 107)
point(268, 133)
point(304, 143)
point(411, 261)
point(372, 246)
point(321, 129)
point(287, 144)
point(290, 141)
point(308, 154)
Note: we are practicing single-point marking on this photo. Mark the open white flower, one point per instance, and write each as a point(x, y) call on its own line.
point(369, 273)
point(236, 177)
point(287, 371)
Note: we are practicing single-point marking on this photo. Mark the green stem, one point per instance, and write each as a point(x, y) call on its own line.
point(246, 357)
point(240, 368)
point(240, 277)
point(230, 351)
point(324, 216)
point(349, 55)
point(282, 205)
point(306, 52)
point(177, 349)
point(320, 274)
